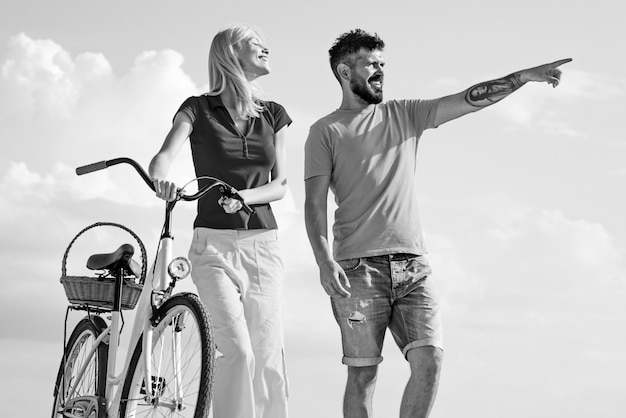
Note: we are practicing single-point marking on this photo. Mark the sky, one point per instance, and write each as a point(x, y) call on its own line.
point(522, 203)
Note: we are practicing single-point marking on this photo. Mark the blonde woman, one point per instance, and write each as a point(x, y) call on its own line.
point(239, 138)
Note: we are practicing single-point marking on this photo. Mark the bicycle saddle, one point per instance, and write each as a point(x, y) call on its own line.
point(108, 261)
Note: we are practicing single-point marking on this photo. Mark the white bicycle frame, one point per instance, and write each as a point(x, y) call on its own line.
point(157, 279)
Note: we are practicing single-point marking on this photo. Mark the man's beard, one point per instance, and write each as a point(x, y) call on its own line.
point(360, 87)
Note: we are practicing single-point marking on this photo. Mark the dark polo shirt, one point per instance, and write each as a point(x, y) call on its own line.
point(243, 160)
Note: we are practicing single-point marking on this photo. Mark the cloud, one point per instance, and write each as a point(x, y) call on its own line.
point(530, 290)
point(580, 84)
point(44, 79)
point(22, 185)
point(528, 262)
point(538, 107)
point(77, 110)
point(583, 250)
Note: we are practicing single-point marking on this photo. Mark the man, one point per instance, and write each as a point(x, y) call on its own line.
point(378, 276)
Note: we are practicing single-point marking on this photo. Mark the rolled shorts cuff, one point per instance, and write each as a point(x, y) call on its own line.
point(432, 342)
point(361, 361)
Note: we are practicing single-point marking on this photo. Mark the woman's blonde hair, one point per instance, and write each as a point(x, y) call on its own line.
point(225, 69)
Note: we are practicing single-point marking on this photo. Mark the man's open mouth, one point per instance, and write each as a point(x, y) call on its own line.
point(376, 80)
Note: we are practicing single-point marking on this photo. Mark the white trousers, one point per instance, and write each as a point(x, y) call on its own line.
point(239, 277)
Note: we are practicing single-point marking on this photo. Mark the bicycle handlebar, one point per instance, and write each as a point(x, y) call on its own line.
point(91, 168)
point(225, 189)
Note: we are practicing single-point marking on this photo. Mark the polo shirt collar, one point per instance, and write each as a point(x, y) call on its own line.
point(214, 101)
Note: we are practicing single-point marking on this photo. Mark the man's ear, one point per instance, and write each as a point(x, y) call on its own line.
point(344, 71)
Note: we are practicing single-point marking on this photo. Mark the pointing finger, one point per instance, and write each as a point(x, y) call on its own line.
point(560, 62)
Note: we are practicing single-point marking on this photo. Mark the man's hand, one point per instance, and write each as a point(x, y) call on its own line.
point(334, 280)
point(549, 73)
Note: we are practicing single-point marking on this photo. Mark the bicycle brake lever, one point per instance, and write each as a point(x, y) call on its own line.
point(232, 193)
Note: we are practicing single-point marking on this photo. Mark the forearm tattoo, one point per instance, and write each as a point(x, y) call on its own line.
point(489, 92)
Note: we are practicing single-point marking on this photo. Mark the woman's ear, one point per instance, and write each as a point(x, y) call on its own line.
point(234, 50)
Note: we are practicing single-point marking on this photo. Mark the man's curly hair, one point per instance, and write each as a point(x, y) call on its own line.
point(349, 44)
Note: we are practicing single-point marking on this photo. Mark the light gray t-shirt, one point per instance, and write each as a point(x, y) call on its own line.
point(371, 158)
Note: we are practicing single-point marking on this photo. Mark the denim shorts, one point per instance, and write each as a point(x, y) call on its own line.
point(393, 291)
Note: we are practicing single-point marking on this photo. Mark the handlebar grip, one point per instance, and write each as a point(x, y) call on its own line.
point(247, 209)
point(101, 165)
point(232, 193)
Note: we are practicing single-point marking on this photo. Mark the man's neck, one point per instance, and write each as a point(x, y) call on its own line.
point(351, 101)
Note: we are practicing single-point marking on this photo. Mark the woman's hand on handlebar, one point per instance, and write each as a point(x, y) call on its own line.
point(230, 204)
point(233, 203)
point(165, 190)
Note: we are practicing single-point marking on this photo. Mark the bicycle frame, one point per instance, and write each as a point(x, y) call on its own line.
point(156, 281)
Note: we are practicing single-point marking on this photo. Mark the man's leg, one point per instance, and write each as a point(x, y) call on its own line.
point(357, 401)
point(363, 320)
point(419, 394)
point(416, 327)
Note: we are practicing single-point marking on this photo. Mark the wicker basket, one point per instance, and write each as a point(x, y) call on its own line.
point(97, 291)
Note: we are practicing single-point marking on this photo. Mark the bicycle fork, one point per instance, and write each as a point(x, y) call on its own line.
point(154, 385)
point(176, 348)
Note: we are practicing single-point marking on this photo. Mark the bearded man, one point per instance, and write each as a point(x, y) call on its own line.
point(377, 274)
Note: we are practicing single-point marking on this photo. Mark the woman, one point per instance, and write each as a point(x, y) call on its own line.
point(237, 269)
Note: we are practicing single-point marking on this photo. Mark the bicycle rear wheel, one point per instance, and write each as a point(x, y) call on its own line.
point(82, 394)
point(182, 364)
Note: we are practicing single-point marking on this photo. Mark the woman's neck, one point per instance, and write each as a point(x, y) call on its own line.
point(228, 98)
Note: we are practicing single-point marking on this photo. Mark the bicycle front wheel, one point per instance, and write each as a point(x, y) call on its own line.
point(182, 364)
point(81, 380)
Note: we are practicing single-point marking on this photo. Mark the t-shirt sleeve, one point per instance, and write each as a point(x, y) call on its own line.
point(318, 159)
point(190, 108)
point(280, 117)
point(422, 112)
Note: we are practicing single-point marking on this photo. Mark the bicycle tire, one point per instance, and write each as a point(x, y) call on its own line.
point(93, 381)
point(197, 363)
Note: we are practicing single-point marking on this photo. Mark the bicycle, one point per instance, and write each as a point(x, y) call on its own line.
point(171, 343)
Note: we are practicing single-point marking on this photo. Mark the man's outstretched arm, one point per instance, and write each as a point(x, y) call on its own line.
point(487, 93)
